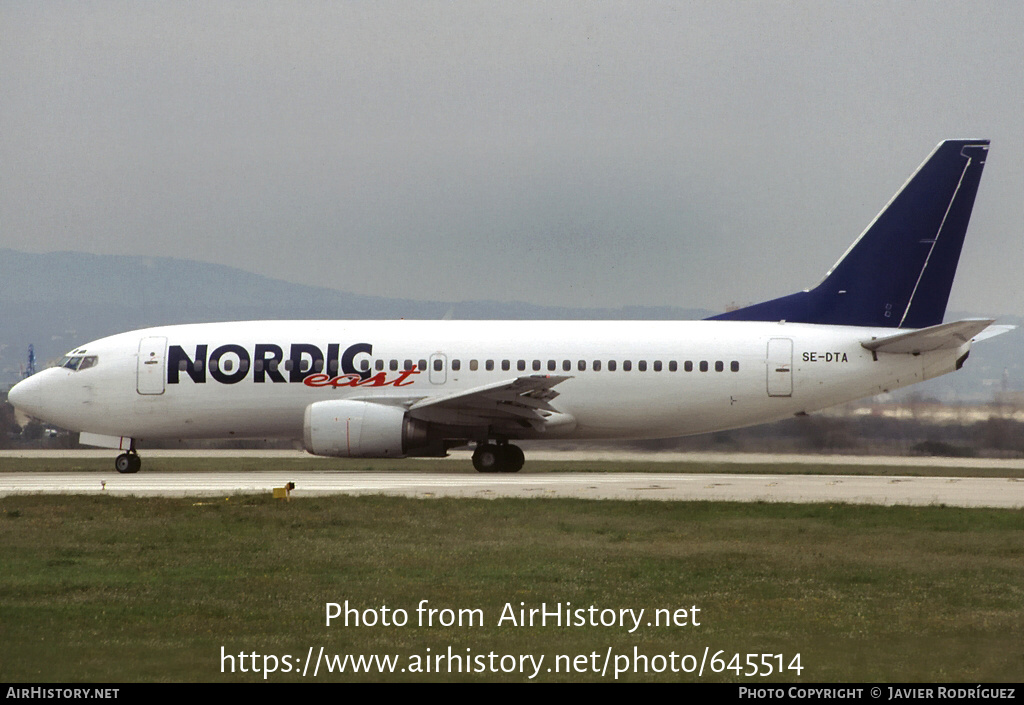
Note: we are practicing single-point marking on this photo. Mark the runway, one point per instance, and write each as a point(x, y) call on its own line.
point(860, 489)
point(649, 457)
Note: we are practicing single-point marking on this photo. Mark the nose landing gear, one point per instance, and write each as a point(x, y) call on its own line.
point(501, 457)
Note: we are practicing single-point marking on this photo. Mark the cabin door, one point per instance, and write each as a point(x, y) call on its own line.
point(152, 366)
point(780, 367)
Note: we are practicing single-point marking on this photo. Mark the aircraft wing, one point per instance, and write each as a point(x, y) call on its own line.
point(940, 337)
point(516, 403)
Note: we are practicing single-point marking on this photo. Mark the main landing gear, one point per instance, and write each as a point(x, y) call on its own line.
point(128, 462)
point(502, 457)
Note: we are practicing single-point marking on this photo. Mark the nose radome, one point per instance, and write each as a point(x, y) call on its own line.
point(17, 395)
point(25, 395)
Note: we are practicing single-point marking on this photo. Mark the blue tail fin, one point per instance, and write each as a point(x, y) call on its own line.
point(899, 272)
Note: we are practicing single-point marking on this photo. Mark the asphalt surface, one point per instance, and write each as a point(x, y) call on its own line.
point(854, 489)
point(767, 459)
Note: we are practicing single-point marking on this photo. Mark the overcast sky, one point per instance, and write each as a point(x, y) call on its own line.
point(577, 153)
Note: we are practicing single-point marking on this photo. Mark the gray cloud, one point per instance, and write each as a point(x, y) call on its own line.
point(571, 153)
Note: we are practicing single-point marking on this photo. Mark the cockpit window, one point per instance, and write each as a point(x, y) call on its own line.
point(79, 362)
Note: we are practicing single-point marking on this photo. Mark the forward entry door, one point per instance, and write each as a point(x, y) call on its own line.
point(152, 366)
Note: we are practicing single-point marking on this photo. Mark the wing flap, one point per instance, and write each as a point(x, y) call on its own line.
point(519, 400)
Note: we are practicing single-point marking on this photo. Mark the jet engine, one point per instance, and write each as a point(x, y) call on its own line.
point(361, 429)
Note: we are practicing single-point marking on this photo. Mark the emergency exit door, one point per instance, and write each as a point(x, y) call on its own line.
point(438, 365)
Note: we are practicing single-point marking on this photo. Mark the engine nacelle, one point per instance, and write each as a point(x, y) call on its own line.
point(361, 429)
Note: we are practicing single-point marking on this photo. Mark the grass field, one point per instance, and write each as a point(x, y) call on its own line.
point(129, 589)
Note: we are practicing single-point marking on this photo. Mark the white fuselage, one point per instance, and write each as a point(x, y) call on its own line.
point(213, 381)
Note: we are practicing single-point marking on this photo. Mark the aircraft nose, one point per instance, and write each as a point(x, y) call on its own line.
point(26, 396)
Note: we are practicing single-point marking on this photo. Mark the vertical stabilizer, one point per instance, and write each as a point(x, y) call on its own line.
point(899, 272)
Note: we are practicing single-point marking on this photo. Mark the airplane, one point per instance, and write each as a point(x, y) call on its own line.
point(407, 388)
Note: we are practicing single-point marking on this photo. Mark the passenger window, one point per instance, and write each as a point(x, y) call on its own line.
point(673, 366)
point(456, 365)
point(642, 365)
point(473, 365)
point(506, 365)
point(393, 365)
point(703, 365)
point(734, 366)
point(438, 365)
point(182, 366)
point(364, 365)
point(536, 365)
point(521, 365)
point(581, 365)
point(688, 366)
point(422, 365)
point(408, 365)
point(627, 365)
point(657, 365)
point(379, 365)
point(611, 365)
point(333, 367)
point(273, 365)
point(489, 365)
point(551, 365)
point(719, 366)
point(597, 365)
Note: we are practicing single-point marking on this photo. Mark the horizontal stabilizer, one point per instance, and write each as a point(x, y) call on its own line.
point(941, 337)
point(992, 332)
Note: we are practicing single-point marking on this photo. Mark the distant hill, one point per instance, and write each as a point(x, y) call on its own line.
point(59, 300)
